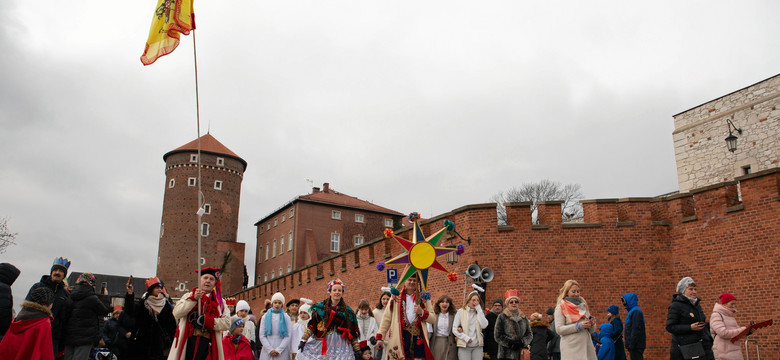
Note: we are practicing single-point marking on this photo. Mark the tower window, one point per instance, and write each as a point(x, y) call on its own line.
point(204, 230)
point(335, 240)
point(193, 158)
point(336, 215)
point(171, 183)
point(746, 170)
point(182, 287)
point(218, 184)
point(203, 261)
point(220, 161)
point(207, 209)
point(192, 181)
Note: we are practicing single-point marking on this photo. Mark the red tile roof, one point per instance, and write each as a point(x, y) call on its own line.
point(207, 144)
point(334, 197)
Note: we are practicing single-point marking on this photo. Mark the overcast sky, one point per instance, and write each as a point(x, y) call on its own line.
point(414, 105)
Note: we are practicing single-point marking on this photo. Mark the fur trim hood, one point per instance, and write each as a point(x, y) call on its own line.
point(37, 307)
point(540, 323)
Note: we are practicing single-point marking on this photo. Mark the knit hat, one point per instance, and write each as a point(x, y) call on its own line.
point(498, 301)
point(725, 298)
point(304, 308)
point(277, 296)
point(88, 278)
point(236, 323)
point(62, 264)
point(550, 311)
point(242, 305)
point(613, 309)
point(683, 284)
point(41, 296)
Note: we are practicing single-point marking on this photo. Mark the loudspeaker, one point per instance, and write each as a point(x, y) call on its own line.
point(486, 274)
point(474, 271)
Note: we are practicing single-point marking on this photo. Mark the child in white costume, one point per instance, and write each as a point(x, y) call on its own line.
point(275, 331)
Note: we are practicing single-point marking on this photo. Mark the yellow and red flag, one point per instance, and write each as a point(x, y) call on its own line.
point(171, 19)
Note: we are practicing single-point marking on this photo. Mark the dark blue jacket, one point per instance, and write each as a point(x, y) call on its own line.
point(635, 323)
point(8, 274)
point(617, 335)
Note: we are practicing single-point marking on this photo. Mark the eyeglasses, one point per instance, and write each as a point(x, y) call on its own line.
point(514, 302)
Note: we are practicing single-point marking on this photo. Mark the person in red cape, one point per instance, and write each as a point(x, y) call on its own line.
point(199, 336)
point(235, 344)
point(29, 337)
point(403, 324)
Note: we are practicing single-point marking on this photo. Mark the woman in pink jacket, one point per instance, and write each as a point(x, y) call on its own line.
point(724, 327)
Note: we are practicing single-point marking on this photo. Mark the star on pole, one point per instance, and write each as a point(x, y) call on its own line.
point(420, 255)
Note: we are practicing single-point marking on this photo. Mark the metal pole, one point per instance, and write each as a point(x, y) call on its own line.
point(200, 192)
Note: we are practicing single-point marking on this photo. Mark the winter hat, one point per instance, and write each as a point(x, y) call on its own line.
point(152, 282)
point(364, 346)
point(242, 305)
point(304, 308)
point(62, 264)
point(41, 296)
point(683, 284)
point(293, 301)
point(88, 278)
point(536, 317)
point(613, 309)
point(236, 323)
point(725, 298)
point(551, 311)
point(498, 301)
point(277, 296)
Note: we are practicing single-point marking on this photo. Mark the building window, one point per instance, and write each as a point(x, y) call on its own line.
point(359, 218)
point(207, 209)
point(192, 181)
point(162, 230)
point(280, 271)
point(267, 246)
point(182, 287)
point(389, 223)
point(260, 255)
point(265, 277)
point(220, 161)
point(746, 170)
point(276, 222)
point(171, 183)
point(268, 226)
point(358, 240)
point(289, 268)
point(204, 230)
point(193, 158)
point(203, 261)
point(290, 242)
point(272, 274)
point(335, 239)
point(284, 217)
point(273, 253)
point(292, 212)
point(218, 184)
point(281, 245)
point(335, 215)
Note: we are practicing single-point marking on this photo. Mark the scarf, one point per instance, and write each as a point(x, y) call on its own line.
point(154, 304)
point(574, 308)
point(282, 324)
point(516, 315)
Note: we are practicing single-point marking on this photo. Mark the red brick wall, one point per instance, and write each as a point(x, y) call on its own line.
point(177, 252)
point(642, 245)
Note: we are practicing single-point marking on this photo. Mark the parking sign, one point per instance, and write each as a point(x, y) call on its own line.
point(392, 276)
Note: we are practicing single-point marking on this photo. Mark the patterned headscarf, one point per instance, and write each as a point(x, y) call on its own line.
point(88, 278)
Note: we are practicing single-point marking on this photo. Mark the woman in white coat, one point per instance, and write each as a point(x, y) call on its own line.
point(574, 324)
point(467, 327)
point(275, 331)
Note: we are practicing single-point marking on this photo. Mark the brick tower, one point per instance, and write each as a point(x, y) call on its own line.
point(221, 173)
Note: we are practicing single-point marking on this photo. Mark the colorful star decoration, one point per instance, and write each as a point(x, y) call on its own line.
point(420, 254)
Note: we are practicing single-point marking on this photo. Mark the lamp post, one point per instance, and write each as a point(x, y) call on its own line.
point(731, 140)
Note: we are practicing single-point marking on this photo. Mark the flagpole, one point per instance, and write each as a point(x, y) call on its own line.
point(200, 192)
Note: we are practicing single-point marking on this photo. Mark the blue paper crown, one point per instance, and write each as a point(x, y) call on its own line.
point(63, 262)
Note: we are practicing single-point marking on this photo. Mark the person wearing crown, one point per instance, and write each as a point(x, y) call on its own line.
point(332, 333)
point(199, 335)
point(154, 322)
point(54, 281)
point(402, 324)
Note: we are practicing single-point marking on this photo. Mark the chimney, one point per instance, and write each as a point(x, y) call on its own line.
point(315, 190)
point(326, 187)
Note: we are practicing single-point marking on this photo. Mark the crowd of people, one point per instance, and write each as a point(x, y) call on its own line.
point(59, 322)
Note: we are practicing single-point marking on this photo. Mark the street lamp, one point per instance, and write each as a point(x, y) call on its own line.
point(731, 140)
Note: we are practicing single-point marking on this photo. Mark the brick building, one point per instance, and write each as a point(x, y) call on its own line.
point(699, 147)
point(316, 226)
point(221, 172)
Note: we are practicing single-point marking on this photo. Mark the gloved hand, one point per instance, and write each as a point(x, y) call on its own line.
point(516, 345)
point(301, 345)
point(197, 320)
point(372, 340)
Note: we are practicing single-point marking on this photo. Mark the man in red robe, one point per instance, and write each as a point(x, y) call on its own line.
point(29, 337)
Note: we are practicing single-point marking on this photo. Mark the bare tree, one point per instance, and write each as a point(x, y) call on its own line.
point(6, 236)
point(544, 190)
